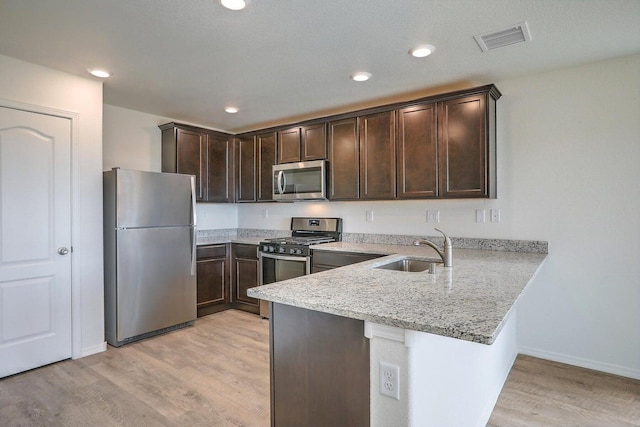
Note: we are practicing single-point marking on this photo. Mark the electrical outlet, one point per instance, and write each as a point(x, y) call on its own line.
point(495, 215)
point(433, 216)
point(390, 380)
point(369, 215)
point(481, 216)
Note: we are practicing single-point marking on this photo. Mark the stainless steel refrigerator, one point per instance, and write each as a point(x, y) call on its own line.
point(149, 253)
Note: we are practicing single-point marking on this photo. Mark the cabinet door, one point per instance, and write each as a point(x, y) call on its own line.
point(314, 142)
point(417, 162)
point(246, 169)
point(344, 160)
point(219, 170)
point(377, 156)
point(462, 147)
point(213, 293)
point(245, 276)
point(289, 145)
point(190, 157)
point(266, 147)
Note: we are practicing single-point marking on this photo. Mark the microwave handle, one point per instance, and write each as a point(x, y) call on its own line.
point(281, 181)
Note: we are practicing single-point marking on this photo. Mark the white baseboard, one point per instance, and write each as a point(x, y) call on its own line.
point(583, 363)
point(93, 350)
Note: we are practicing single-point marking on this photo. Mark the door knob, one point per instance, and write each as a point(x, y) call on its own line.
point(63, 251)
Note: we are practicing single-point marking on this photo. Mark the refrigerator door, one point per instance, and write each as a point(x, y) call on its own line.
point(152, 199)
point(156, 284)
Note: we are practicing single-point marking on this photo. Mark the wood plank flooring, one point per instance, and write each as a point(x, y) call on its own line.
point(544, 393)
point(217, 374)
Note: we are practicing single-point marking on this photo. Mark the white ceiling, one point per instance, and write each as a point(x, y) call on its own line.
point(279, 61)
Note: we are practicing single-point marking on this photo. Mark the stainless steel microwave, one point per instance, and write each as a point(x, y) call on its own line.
point(300, 181)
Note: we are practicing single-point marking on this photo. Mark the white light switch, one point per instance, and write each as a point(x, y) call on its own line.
point(481, 216)
point(433, 216)
point(265, 213)
point(369, 215)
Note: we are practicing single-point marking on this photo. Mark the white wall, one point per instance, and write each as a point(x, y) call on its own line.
point(132, 140)
point(26, 83)
point(569, 173)
point(568, 156)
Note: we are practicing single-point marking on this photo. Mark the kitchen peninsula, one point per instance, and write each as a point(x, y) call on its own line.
point(452, 334)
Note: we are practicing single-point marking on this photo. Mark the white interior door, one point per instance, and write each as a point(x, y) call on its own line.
point(35, 240)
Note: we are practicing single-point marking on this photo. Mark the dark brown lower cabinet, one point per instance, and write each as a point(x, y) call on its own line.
point(328, 260)
point(319, 369)
point(244, 276)
point(213, 292)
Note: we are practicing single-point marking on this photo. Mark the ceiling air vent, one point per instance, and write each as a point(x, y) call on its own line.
point(517, 33)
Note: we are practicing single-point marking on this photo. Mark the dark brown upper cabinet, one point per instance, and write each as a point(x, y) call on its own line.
point(204, 153)
point(266, 152)
point(301, 144)
point(344, 160)
point(378, 156)
point(417, 154)
point(466, 145)
point(245, 169)
point(219, 164)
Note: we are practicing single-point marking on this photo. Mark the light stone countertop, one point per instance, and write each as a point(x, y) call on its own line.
point(470, 301)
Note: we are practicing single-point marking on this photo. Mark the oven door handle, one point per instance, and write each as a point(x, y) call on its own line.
point(285, 257)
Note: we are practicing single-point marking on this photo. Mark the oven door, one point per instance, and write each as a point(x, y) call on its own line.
point(274, 268)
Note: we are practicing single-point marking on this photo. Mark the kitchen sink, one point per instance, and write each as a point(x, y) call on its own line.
point(407, 264)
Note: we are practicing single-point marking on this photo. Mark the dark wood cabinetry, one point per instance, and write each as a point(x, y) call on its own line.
point(213, 290)
point(377, 156)
point(266, 152)
point(467, 146)
point(289, 145)
point(244, 276)
point(344, 160)
point(319, 369)
point(204, 153)
point(219, 167)
point(183, 152)
point(246, 169)
point(255, 156)
point(417, 154)
point(301, 144)
point(442, 146)
point(328, 260)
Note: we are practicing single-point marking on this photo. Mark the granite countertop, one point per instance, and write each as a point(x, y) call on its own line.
point(470, 301)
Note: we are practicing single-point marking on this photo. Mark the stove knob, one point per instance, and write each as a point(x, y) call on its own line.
point(265, 248)
point(282, 250)
point(299, 251)
point(292, 251)
point(271, 249)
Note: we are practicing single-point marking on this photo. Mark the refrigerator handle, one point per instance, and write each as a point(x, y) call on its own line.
point(193, 226)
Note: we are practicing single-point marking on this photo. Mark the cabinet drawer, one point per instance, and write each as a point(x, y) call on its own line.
point(245, 251)
point(211, 251)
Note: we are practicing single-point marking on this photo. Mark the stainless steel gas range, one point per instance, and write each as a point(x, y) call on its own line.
point(284, 258)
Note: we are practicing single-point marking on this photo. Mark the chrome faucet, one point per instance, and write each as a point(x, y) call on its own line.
point(446, 254)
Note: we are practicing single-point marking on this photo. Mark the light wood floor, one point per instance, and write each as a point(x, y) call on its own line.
point(217, 374)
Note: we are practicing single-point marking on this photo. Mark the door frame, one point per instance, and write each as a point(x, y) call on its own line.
point(76, 295)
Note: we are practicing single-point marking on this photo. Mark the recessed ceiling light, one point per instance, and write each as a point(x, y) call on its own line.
point(234, 4)
point(422, 50)
point(231, 110)
point(100, 73)
point(361, 76)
